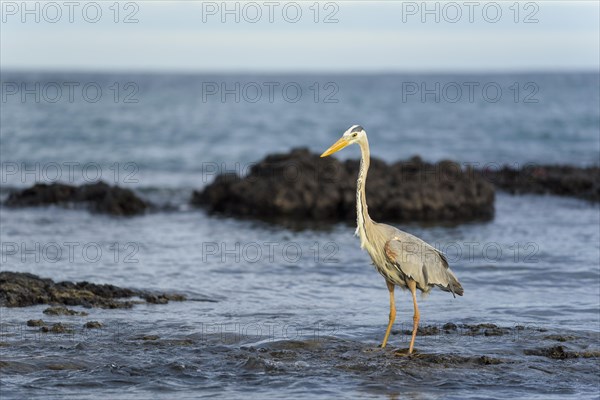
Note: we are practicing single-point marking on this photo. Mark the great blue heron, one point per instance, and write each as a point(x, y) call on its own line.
point(404, 260)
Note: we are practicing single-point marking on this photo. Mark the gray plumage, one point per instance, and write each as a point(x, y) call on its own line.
point(402, 259)
point(407, 256)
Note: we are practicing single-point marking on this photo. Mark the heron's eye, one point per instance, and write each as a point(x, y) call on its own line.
point(354, 134)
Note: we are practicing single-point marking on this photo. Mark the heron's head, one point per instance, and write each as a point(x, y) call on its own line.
point(354, 134)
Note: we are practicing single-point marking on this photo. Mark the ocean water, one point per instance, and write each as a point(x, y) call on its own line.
point(280, 310)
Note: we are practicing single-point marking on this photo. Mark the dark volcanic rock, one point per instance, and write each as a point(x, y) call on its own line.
point(560, 180)
point(22, 289)
point(302, 185)
point(148, 337)
point(560, 353)
point(56, 328)
point(559, 338)
point(92, 325)
point(98, 197)
point(59, 310)
point(556, 352)
point(423, 331)
point(162, 298)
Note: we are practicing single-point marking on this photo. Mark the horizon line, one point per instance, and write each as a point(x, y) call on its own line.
point(160, 71)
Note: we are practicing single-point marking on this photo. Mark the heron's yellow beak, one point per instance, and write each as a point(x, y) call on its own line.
point(337, 146)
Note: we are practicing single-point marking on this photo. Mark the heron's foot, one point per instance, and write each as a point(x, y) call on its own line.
point(405, 352)
point(383, 347)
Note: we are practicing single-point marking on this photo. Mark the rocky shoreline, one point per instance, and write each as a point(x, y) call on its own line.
point(301, 186)
point(97, 197)
point(561, 180)
point(18, 289)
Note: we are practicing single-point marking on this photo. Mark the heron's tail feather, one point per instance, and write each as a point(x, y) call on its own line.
point(454, 285)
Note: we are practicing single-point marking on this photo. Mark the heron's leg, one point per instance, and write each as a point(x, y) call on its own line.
point(392, 313)
point(412, 285)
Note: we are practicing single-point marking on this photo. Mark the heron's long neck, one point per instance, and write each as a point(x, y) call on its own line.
point(363, 220)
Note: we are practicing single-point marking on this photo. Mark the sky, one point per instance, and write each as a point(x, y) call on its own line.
point(300, 36)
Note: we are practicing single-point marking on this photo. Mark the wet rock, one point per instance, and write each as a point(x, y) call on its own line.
point(405, 352)
point(485, 329)
point(177, 366)
point(560, 353)
point(153, 299)
point(301, 185)
point(19, 289)
point(295, 344)
point(148, 337)
point(449, 327)
point(454, 359)
point(427, 330)
point(494, 332)
point(555, 352)
point(284, 355)
point(97, 197)
point(176, 297)
point(156, 342)
point(92, 325)
point(481, 326)
point(63, 311)
point(23, 289)
point(562, 180)
point(162, 298)
point(485, 360)
point(559, 338)
point(464, 329)
point(65, 366)
point(36, 322)
point(56, 328)
point(589, 354)
point(254, 363)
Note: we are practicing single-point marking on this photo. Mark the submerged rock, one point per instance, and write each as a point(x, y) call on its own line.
point(22, 289)
point(63, 311)
point(555, 352)
point(98, 197)
point(560, 338)
point(563, 180)
point(302, 185)
point(148, 337)
point(92, 325)
point(449, 327)
point(57, 328)
point(449, 359)
point(423, 331)
point(162, 298)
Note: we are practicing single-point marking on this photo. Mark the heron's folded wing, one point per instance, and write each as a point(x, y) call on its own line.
point(421, 262)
